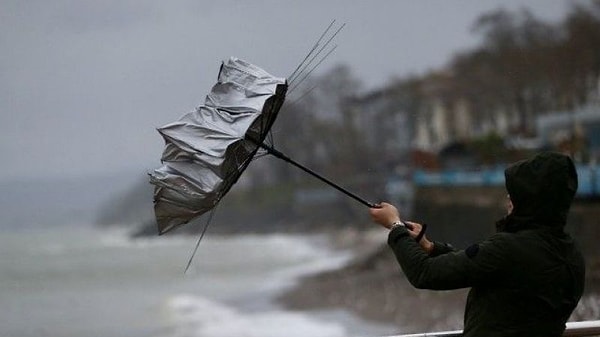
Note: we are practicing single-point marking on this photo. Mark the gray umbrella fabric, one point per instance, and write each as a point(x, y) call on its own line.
point(207, 150)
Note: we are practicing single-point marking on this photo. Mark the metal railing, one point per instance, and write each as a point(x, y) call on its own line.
point(574, 329)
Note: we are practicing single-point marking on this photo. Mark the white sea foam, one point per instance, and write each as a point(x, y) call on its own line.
point(103, 282)
point(193, 316)
point(276, 262)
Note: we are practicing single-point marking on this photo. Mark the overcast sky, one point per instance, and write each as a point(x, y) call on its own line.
point(83, 84)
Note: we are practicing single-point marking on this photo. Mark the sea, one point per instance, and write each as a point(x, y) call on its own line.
point(84, 281)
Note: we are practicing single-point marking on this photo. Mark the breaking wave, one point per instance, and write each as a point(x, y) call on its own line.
point(192, 316)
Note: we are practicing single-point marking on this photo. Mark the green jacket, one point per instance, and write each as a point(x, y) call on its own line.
point(527, 278)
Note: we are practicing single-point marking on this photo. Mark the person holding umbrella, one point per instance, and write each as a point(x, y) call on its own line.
point(527, 278)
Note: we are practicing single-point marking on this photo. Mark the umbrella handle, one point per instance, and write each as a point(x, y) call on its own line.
point(271, 150)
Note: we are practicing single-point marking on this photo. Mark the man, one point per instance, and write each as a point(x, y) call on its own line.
point(527, 278)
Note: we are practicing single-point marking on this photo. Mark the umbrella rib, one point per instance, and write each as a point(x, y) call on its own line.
point(317, 54)
point(260, 155)
point(208, 222)
point(269, 140)
point(238, 163)
point(313, 69)
point(304, 94)
point(311, 50)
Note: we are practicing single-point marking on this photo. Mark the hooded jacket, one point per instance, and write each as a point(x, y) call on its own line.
point(526, 279)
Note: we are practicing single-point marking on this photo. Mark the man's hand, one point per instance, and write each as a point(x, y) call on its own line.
point(414, 230)
point(385, 215)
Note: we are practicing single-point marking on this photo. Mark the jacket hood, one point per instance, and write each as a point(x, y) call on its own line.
point(541, 190)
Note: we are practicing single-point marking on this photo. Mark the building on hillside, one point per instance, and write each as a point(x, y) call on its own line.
point(432, 126)
point(445, 116)
point(426, 116)
point(385, 121)
point(579, 125)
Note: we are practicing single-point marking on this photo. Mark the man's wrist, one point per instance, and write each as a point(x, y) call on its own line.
point(396, 224)
point(427, 246)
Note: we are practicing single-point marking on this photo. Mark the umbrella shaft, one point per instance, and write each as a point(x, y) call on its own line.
point(271, 150)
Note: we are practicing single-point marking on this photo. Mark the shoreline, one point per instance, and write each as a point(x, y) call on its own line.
point(373, 287)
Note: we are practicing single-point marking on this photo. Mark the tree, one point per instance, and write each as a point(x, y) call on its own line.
point(581, 52)
point(517, 56)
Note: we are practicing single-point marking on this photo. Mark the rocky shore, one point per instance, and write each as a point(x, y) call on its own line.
point(374, 288)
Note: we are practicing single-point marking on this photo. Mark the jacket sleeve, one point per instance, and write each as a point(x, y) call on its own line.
point(441, 248)
point(480, 263)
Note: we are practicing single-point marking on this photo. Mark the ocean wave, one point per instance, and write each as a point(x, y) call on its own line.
point(285, 278)
point(192, 316)
point(121, 238)
point(302, 245)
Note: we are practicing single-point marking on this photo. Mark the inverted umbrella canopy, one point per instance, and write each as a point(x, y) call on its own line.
point(207, 149)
